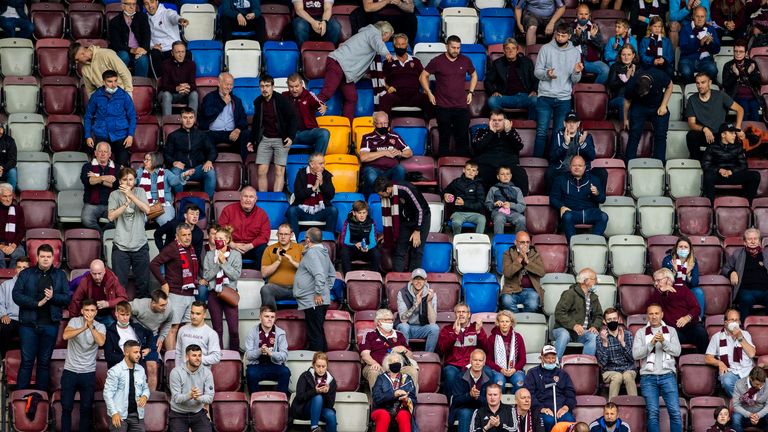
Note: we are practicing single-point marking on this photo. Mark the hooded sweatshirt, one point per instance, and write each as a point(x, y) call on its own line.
point(182, 381)
point(315, 276)
point(563, 61)
point(406, 298)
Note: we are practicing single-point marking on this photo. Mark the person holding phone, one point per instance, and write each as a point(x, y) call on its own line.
point(316, 395)
point(278, 266)
point(394, 396)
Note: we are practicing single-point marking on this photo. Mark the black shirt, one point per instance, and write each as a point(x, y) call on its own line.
point(44, 312)
point(660, 83)
point(754, 277)
point(131, 392)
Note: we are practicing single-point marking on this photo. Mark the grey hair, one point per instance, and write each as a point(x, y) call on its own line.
point(157, 160)
point(381, 314)
point(400, 36)
point(380, 114)
point(6, 187)
point(392, 357)
point(384, 27)
point(584, 274)
point(100, 143)
point(183, 226)
point(666, 273)
point(751, 230)
point(316, 155)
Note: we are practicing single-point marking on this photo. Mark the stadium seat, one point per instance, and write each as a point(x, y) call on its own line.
point(554, 284)
point(717, 292)
point(462, 22)
point(229, 411)
point(658, 247)
point(281, 59)
point(413, 131)
point(632, 410)
point(476, 53)
point(449, 168)
point(240, 57)
point(603, 135)
point(275, 205)
point(472, 253)
point(677, 147)
point(634, 291)
point(428, 26)
point(208, 57)
point(21, 94)
point(500, 244)
point(147, 136)
point(352, 411)
point(732, 216)
point(656, 216)
point(425, 165)
point(448, 288)
point(340, 130)
point(584, 372)
point(617, 175)
point(438, 253)
point(605, 289)
point(277, 20)
point(553, 249)
point(69, 205)
point(481, 291)
point(365, 105)
point(222, 199)
point(313, 57)
point(589, 251)
point(364, 289)
point(757, 326)
point(345, 368)
point(156, 413)
point(49, 20)
point(229, 172)
point(247, 89)
point(760, 166)
point(59, 95)
point(197, 197)
point(496, 24)
point(292, 321)
point(536, 168)
point(694, 215)
point(338, 329)
point(760, 214)
point(533, 327)
point(430, 367)
point(343, 13)
point(627, 254)
point(696, 377)
point(590, 101)
point(82, 246)
point(374, 209)
point(621, 213)
point(64, 133)
point(39, 208)
point(202, 21)
point(664, 416)
point(684, 177)
point(713, 324)
point(361, 126)
point(644, 147)
point(18, 404)
point(363, 322)
point(701, 409)
point(343, 202)
point(27, 130)
point(269, 411)
point(295, 163)
point(37, 236)
point(588, 408)
point(345, 169)
point(143, 96)
point(52, 54)
point(426, 51)
point(675, 107)
point(540, 218)
point(86, 20)
point(646, 177)
point(437, 211)
point(393, 283)
point(709, 254)
point(431, 411)
point(16, 56)
point(34, 171)
point(228, 373)
point(298, 362)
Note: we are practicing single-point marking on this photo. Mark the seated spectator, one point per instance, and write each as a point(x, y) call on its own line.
point(166, 233)
point(698, 44)
point(746, 273)
point(508, 348)
point(316, 395)
point(495, 416)
point(394, 396)
point(548, 383)
point(530, 420)
point(266, 351)
point(732, 18)
point(272, 133)
point(223, 116)
point(117, 394)
point(724, 162)
point(681, 309)
point(523, 268)
point(577, 203)
point(278, 267)
point(618, 76)
point(153, 313)
point(722, 420)
point(9, 310)
point(190, 154)
point(741, 81)
point(655, 48)
point(129, 37)
point(251, 227)
point(682, 261)
point(312, 287)
point(417, 310)
point(99, 178)
point(401, 15)
point(192, 388)
point(359, 239)
point(314, 20)
point(379, 342)
point(538, 17)
point(7, 159)
point(124, 329)
point(467, 196)
point(587, 37)
point(12, 219)
point(506, 203)
point(646, 98)
point(401, 77)
point(221, 269)
point(468, 390)
point(100, 285)
point(178, 83)
point(242, 16)
point(498, 145)
point(313, 192)
point(94, 61)
point(510, 81)
point(164, 26)
point(616, 43)
point(750, 398)
point(643, 13)
point(759, 24)
point(610, 419)
point(157, 183)
point(351, 60)
point(731, 351)
point(614, 355)
point(578, 315)
point(110, 117)
point(456, 343)
point(404, 209)
point(381, 152)
point(200, 333)
point(128, 208)
point(680, 15)
point(13, 15)
point(307, 106)
point(569, 142)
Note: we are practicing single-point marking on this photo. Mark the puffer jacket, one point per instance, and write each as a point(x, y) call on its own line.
point(470, 190)
point(726, 156)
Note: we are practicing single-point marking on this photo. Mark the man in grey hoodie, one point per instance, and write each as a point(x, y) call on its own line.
point(558, 68)
point(191, 389)
point(750, 401)
point(312, 287)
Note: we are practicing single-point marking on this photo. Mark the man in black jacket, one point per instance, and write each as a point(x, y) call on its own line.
point(510, 81)
point(725, 163)
point(741, 81)
point(222, 114)
point(133, 51)
point(312, 194)
point(469, 390)
point(406, 218)
point(467, 195)
point(9, 22)
point(273, 130)
point(122, 330)
point(495, 416)
point(7, 159)
point(498, 145)
point(190, 154)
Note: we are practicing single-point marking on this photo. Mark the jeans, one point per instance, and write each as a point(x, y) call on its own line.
point(202, 292)
point(16, 254)
point(617, 104)
point(747, 298)
point(349, 253)
point(728, 382)
point(739, 422)
point(369, 175)
point(11, 177)
point(430, 332)
point(91, 214)
point(315, 411)
point(130, 424)
point(219, 309)
point(515, 101)
point(317, 137)
point(548, 108)
point(37, 342)
point(516, 380)
point(314, 317)
point(653, 386)
point(327, 215)
point(699, 294)
point(167, 99)
point(184, 422)
point(638, 115)
point(749, 180)
point(751, 108)
point(594, 216)
point(303, 32)
point(140, 65)
point(453, 122)
point(598, 68)
point(9, 334)
point(138, 262)
point(549, 421)
point(528, 297)
point(499, 219)
point(458, 219)
point(208, 179)
point(107, 320)
point(689, 66)
point(26, 27)
point(85, 384)
point(563, 337)
point(464, 416)
point(450, 374)
point(268, 371)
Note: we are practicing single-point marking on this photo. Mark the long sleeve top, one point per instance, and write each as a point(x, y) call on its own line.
point(181, 383)
point(615, 357)
point(356, 53)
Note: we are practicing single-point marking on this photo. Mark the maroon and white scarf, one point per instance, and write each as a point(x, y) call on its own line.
point(146, 183)
point(377, 80)
point(188, 266)
point(667, 360)
point(505, 357)
point(696, 32)
point(682, 273)
point(656, 47)
point(523, 423)
point(221, 278)
point(390, 217)
point(97, 169)
point(749, 398)
point(314, 203)
point(10, 224)
point(723, 350)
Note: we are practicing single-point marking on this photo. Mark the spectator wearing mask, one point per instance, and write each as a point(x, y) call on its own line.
point(540, 381)
point(587, 37)
point(614, 355)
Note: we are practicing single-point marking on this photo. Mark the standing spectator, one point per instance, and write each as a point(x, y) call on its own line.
point(456, 342)
point(358, 236)
point(9, 310)
point(725, 162)
point(164, 26)
point(166, 233)
point(406, 219)
point(610, 419)
point(316, 395)
point(84, 335)
point(706, 111)
point(99, 178)
point(314, 20)
point(748, 277)
point(122, 330)
point(13, 15)
point(578, 315)
point(222, 114)
point(401, 15)
point(278, 267)
point(126, 391)
point(577, 197)
point(732, 18)
point(242, 16)
point(7, 159)
point(528, 419)
point(128, 208)
point(401, 77)
point(698, 44)
point(313, 192)
point(548, 384)
point(129, 37)
point(192, 389)
point(508, 348)
point(558, 68)
point(199, 333)
point(351, 60)
point(618, 76)
point(467, 195)
point(498, 145)
point(190, 153)
point(536, 17)
point(750, 399)
point(682, 261)
point(741, 80)
point(506, 203)
point(616, 43)
point(12, 220)
point(722, 420)
point(572, 141)
point(381, 152)
point(94, 61)
point(312, 286)
point(417, 310)
point(731, 351)
point(394, 396)
point(110, 117)
point(153, 314)
point(178, 78)
point(681, 309)
point(646, 98)
point(614, 355)
point(157, 184)
point(510, 81)
point(307, 105)
point(586, 35)
point(523, 268)
point(251, 227)
point(100, 285)
point(272, 133)
point(468, 390)
point(266, 351)
point(221, 269)
point(451, 104)
point(380, 342)
point(656, 346)
point(655, 49)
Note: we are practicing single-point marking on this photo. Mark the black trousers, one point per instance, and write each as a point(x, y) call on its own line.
point(404, 247)
point(9, 335)
point(230, 25)
point(694, 334)
point(749, 179)
point(315, 318)
point(697, 143)
point(183, 422)
point(241, 144)
point(349, 253)
point(453, 122)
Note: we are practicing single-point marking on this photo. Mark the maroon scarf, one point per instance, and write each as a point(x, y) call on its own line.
point(188, 266)
point(314, 202)
point(10, 225)
point(390, 212)
point(656, 47)
point(99, 170)
point(682, 271)
point(748, 398)
point(737, 351)
point(753, 252)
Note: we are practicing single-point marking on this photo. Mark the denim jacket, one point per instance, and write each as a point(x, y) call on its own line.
point(116, 389)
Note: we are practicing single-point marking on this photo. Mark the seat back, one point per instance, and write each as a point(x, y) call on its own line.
point(462, 22)
point(481, 291)
point(431, 412)
point(717, 293)
point(632, 410)
point(21, 94)
point(202, 21)
point(341, 132)
point(338, 329)
point(627, 254)
point(269, 411)
point(709, 254)
point(27, 130)
point(634, 292)
point(59, 95)
point(438, 254)
point(588, 408)
point(364, 290)
point(732, 216)
point(52, 54)
point(345, 169)
point(17, 57)
point(86, 20)
point(298, 362)
point(696, 377)
point(345, 367)
point(241, 56)
point(621, 213)
point(617, 175)
point(208, 56)
point(684, 177)
point(584, 372)
point(694, 215)
point(554, 251)
point(646, 177)
point(656, 216)
point(313, 58)
point(496, 24)
point(589, 251)
point(533, 327)
point(18, 408)
point(554, 285)
point(229, 172)
point(34, 170)
point(540, 218)
point(229, 411)
point(49, 20)
point(281, 59)
point(277, 19)
point(352, 411)
point(82, 246)
point(701, 409)
point(64, 133)
point(39, 208)
point(472, 253)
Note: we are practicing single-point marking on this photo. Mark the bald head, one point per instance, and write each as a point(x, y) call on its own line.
point(97, 270)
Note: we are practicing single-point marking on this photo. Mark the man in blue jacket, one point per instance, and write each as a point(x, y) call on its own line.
point(12, 16)
point(42, 293)
point(698, 44)
point(577, 197)
point(111, 117)
point(540, 380)
point(223, 115)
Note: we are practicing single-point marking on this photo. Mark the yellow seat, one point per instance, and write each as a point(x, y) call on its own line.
point(360, 127)
point(340, 131)
point(345, 170)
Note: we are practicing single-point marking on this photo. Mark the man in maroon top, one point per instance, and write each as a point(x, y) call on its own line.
point(380, 153)
point(178, 82)
point(681, 310)
point(313, 18)
point(401, 76)
point(450, 98)
point(306, 105)
point(456, 343)
point(251, 225)
point(381, 341)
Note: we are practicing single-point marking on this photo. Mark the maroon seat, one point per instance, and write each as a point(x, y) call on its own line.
point(60, 342)
point(495, 51)
point(536, 168)
point(12, 363)
point(761, 166)
point(532, 52)
point(632, 410)
point(52, 54)
point(222, 199)
point(342, 14)
point(313, 57)
point(49, 19)
point(156, 413)
point(143, 96)
point(204, 86)
point(363, 322)
point(39, 208)
point(762, 62)
point(590, 101)
point(393, 283)
point(269, 411)
point(696, 377)
point(634, 290)
point(700, 410)
point(424, 165)
point(171, 123)
point(147, 137)
point(228, 373)
point(82, 245)
point(229, 411)
point(732, 216)
point(713, 324)
point(292, 321)
point(277, 19)
point(477, 108)
point(57, 368)
point(64, 132)
point(101, 420)
point(554, 251)
point(252, 174)
point(760, 214)
point(709, 254)
point(229, 171)
point(694, 215)
point(540, 218)
point(757, 326)
point(431, 412)
point(617, 175)
point(588, 408)
point(345, 367)
point(38, 236)
point(527, 131)
point(430, 369)
point(603, 135)
point(19, 419)
point(364, 290)
point(449, 168)
point(338, 329)
point(584, 372)
point(447, 286)
point(644, 147)
point(658, 246)
point(59, 95)
point(86, 20)
point(717, 293)
point(112, 10)
point(731, 245)
point(664, 416)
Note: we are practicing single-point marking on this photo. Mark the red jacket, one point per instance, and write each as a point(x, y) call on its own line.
point(456, 352)
point(489, 345)
point(677, 305)
point(110, 290)
point(251, 228)
point(306, 106)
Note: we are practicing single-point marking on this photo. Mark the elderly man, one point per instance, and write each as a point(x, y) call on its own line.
point(699, 42)
point(405, 210)
point(111, 117)
point(401, 77)
point(164, 26)
point(731, 351)
point(646, 98)
point(656, 346)
point(222, 114)
point(469, 389)
point(190, 154)
point(94, 61)
point(523, 268)
point(8, 154)
point(747, 273)
point(706, 111)
point(528, 420)
point(313, 192)
point(578, 315)
point(178, 83)
point(9, 310)
point(725, 163)
point(381, 152)
point(99, 178)
point(307, 106)
point(456, 342)
point(101, 285)
point(312, 286)
point(681, 309)
point(251, 227)
point(166, 233)
point(540, 380)
point(614, 355)
point(417, 310)
point(577, 197)
point(510, 81)
point(750, 401)
point(129, 37)
point(278, 267)
point(12, 218)
point(379, 342)
point(741, 80)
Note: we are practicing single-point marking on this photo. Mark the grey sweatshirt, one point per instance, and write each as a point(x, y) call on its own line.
point(315, 276)
point(253, 349)
point(158, 323)
point(205, 337)
point(356, 54)
point(760, 401)
point(232, 268)
point(641, 350)
point(563, 61)
point(182, 381)
point(505, 192)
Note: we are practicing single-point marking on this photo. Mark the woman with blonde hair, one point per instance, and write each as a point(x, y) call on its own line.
point(394, 396)
point(656, 49)
point(316, 395)
point(506, 352)
point(221, 269)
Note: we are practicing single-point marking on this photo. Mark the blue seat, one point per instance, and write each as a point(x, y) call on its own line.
point(208, 56)
point(274, 204)
point(500, 244)
point(437, 257)
point(295, 163)
point(374, 209)
point(364, 105)
point(247, 89)
point(281, 58)
point(442, 4)
point(171, 6)
point(428, 28)
point(327, 236)
point(481, 291)
point(415, 137)
point(496, 25)
point(476, 53)
point(343, 202)
point(334, 103)
point(183, 2)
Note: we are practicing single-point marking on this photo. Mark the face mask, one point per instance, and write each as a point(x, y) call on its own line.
point(382, 130)
point(732, 326)
point(610, 424)
point(129, 15)
point(219, 244)
point(683, 253)
point(400, 51)
point(387, 327)
point(613, 325)
point(121, 325)
point(549, 366)
point(395, 367)
point(583, 22)
point(110, 90)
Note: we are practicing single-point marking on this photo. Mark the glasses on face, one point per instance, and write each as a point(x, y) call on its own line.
point(524, 242)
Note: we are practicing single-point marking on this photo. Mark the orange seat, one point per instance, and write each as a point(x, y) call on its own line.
point(345, 169)
point(340, 130)
point(360, 127)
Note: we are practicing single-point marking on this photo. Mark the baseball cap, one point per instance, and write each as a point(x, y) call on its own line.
point(548, 349)
point(571, 117)
point(420, 273)
point(728, 127)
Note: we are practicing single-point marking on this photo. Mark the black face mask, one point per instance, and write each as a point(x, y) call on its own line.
point(382, 130)
point(613, 325)
point(561, 45)
point(395, 367)
point(610, 424)
point(400, 51)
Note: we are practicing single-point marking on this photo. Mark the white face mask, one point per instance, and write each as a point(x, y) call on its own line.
point(732, 326)
point(110, 90)
point(129, 15)
point(387, 326)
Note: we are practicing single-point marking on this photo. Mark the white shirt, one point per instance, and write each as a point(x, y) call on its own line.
point(164, 27)
point(10, 13)
point(745, 365)
point(125, 334)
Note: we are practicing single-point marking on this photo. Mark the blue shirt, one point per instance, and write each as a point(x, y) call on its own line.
point(225, 121)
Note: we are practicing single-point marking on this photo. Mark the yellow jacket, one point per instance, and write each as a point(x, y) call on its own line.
point(104, 59)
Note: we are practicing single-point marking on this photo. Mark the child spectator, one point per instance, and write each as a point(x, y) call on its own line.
point(466, 193)
point(359, 237)
point(505, 202)
point(722, 420)
point(656, 49)
point(616, 43)
point(586, 35)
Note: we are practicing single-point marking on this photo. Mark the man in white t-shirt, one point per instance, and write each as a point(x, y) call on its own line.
point(731, 351)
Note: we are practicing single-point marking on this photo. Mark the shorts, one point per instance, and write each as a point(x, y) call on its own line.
point(153, 355)
point(180, 307)
point(271, 146)
point(530, 19)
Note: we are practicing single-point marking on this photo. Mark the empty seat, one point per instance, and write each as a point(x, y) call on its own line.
point(553, 249)
point(717, 293)
point(52, 54)
point(49, 19)
point(709, 254)
point(632, 410)
point(428, 25)
point(352, 411)
point(202, 21)
point(590, 101)
point(229, 411)
point(424, 165)
point(634, 291)
point(20, 94)
point(16, 57)
point(684, 177)
point(241, 56)
point(64, 133)
point(658, 248)
point(588, 408)
point(732, 216)
point(476, 53)
point(86, 20)
point(627, 254)
point(604, 136)
point(589, 251)
point(497, 24)
point(757, 326)
point(313, 57)
point(82, 246)
point(621, 213)
point(646, 177)
point(584, 372)
point(208, 56)
point(617, 175)
point(533, 327)
point(33, 170)
point(426, 51)
point(364, 289)
point(694, 215)
point(536, 169)
point(59, 95)
point(554, 284)
point(500, 244)
point(275, 205)
point(430, 368)
point(540, 218)
point(656, 216)
point(281, 59)
point(39, 208)
point(462, 22)
point(341, 132)
point(413, 131)
point(481, 291)
point(66, 170)
point(269, 411)
point(605, 289)
point(345, 169)
point(447, 287)
point(431, 412)
point(229, 172)
point(277, 20)
point(472, 253)
point(27, 130)
point(143, 95)
point(438, 253)
point(69, 205)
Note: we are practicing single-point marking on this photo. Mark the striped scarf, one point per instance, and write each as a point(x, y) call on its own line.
point(682, 273)
point(146, 183)
point(390, 217)
point(749, 397)
point(377, 80)
point(723, 350)
point(702, 48)
point(10, 224)
point(314, 203)
point(504, 358)
point(656, 47)
point(667, 360)
point(221, 278)
point(188, 266)
point(97, 169)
